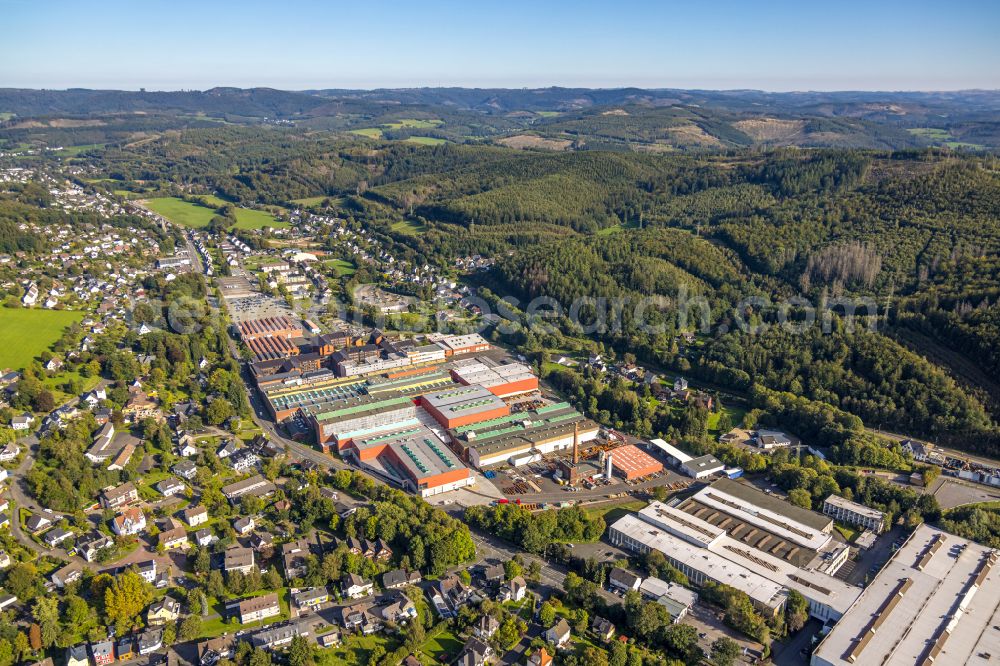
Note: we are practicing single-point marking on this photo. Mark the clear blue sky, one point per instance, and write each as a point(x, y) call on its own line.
point(296, 44)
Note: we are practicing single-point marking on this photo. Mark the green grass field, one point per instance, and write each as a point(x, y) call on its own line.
point(548, 114)
point(342, 266)
point(73, 151)
point(27, 333)
point(414, 123)
point(315, 201)
point(5, 115)
point(607, 231)
point(370, 132)
point(192, 215)
point(612, 512)
point(410, 227)
point(425, 140)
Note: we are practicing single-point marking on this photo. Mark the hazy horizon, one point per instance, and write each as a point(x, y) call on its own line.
point(779, 46)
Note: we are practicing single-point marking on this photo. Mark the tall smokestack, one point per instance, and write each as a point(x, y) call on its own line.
point(576, 443)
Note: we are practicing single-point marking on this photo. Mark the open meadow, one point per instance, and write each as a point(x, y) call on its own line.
point(192, 215)
point(27, 333)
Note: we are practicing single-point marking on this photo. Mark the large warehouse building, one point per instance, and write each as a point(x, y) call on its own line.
point(339, 422)
point(462, 405)
point(270, 327)
point(518, 439)
point(937, 601)
point(502, 380)
point(736, 535)
point(415, 458)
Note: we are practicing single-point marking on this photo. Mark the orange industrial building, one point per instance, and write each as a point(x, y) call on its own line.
point(269, 349)
point(633, 463)
point(415, 458)
point(501, 380)
point(460, 406)
point(270, 327)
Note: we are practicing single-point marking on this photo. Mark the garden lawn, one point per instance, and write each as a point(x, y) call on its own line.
point(27, 333)
point(342, 266)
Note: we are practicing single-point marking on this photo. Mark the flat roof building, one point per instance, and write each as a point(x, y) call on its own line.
point(524, 437)
point(463, 405)
point(702, 466)
point(706, 552)
point(415, 458)
point(937, 601)
point(502, 380)
point(338, 422)
point(853, 513)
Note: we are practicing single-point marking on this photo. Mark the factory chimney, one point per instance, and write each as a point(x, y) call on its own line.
point(576, 444)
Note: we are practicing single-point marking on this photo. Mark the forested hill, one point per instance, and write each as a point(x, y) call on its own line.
point(626, 119)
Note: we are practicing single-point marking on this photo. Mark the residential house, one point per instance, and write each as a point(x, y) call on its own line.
point(602, 628)
point(37, 522)
point(174, 538)
point(195, 515)
point(5, 560)
point(279, 635)
point(212, 650)
point(10, 452)
point(620, 579)
point(397, 579)
point(259, 608)
point(150, 641)
point(77, 656)
point(242, 460)
point(237, 558)
point(119, 496)
point(125, 649)
point(147, 570)
point(70, 573)
point(493, 575)
point(311, 598)
point(515, 589)
point(399, 609)
point(90, 544)
point(485, 627)
point(227, 449)
point(262, 541)
point(475, 652)
point(185, 469)
point(244, 525)
point(294, 557)
point(132, 521)
point(163, 612)
point(170, 487)
point(540, 657)
point(356, 587)
point(204, 537)
point(102, 652)
point(22, 422)
point(56, 536)
point(359, 618)
point(559, 634)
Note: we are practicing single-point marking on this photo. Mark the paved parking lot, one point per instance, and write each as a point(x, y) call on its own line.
point(951, 492)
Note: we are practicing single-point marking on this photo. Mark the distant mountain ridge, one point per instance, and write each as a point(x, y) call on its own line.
point(556, 118)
